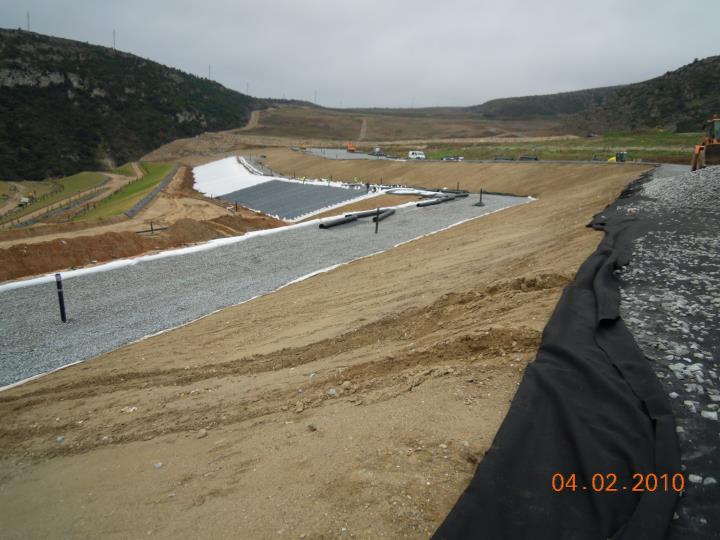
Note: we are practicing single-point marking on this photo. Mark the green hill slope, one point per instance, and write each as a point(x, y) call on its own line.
point(680, 101)
point(525, 107)
point(67, 106)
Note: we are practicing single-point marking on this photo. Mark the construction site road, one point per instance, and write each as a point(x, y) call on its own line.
point(111, 308)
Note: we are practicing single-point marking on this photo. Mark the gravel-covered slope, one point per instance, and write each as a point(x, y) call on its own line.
point(112, 308)
point(671, 303)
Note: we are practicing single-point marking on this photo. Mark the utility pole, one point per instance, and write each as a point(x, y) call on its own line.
point(209, 71)
point(114, 49)
point(247, 88)
point(28, 20)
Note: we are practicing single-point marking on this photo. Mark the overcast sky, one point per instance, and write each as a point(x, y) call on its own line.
point(393, 53)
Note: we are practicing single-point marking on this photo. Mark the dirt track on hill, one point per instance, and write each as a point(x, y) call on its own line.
point(363, 129)
point(253, 122)
point(355, 403)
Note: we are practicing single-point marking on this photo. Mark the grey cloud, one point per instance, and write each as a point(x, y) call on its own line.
point(381, 53)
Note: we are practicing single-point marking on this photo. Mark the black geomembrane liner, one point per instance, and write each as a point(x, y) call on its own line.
point(590, 403)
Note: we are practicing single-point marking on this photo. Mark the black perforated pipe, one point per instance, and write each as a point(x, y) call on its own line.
point(337, 221)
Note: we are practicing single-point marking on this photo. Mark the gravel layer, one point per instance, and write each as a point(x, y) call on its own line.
point(112, 308)
point(671, 304)
point(289, 200)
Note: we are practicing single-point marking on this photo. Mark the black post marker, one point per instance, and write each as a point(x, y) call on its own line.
point(377, 220)
point(152, 229)
point(235, 206)
point(458, 185)
point(61, 298)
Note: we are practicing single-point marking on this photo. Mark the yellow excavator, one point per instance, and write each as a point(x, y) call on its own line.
point(708, 152)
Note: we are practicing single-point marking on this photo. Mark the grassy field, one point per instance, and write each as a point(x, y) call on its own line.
point(125, 198)
point(125, 170)
point(647, 146)
point(391, 124)
point(36, 188)
point(50, 192)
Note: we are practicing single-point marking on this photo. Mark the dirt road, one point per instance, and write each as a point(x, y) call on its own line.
point(14, 199)
point(355, 403)
point(363, 130)
point(254, 120)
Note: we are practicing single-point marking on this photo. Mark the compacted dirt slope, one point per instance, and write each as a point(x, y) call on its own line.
point(354, 404)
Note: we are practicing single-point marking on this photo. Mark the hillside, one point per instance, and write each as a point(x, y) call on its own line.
point(549, 105)
point(680, 100)
point(66, 106)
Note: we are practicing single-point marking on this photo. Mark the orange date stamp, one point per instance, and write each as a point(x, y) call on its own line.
point(608, 483)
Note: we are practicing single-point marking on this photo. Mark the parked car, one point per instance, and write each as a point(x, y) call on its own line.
point(416, 154)
point(529, 158)
point(377, 152)
point(452, 158)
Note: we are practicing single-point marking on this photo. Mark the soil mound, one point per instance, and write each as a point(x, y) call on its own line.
point(23, 260)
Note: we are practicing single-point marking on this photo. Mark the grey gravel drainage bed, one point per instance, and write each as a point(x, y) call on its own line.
point(671, 303)
point(111, 308)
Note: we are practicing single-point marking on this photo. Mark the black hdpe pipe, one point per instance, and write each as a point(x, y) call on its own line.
point(439, 200)
point(458, 192)
point(384, 214)
point(338, 221)
point(431, 202)
point(366, 213)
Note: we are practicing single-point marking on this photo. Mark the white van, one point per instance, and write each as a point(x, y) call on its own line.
point(416, 154)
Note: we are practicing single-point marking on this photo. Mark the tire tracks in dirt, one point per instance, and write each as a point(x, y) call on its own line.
point(421, 354)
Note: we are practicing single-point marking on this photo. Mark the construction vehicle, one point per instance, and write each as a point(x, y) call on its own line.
point(708, 152)
point(350, 147)
point(619, 157)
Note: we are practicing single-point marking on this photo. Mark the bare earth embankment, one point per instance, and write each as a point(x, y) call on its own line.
point(353, 404)
point(188, 216)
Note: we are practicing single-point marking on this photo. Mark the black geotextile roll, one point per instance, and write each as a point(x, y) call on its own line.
point(589, 404)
